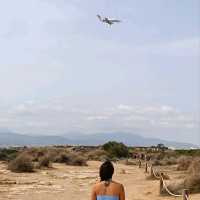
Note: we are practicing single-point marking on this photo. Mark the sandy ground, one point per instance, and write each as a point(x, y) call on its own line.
point(74, 183)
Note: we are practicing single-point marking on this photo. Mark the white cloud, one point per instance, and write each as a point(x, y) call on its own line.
point(57, 117)
point(53, 114)
point(100, 117)
point(124, 107)
point(182, 47)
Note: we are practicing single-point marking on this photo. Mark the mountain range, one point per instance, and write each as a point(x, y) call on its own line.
point(15, 139)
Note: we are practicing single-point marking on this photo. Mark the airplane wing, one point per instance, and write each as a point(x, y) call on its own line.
point(115, 20)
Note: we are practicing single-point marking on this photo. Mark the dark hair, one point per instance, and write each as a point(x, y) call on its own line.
point(106, 171)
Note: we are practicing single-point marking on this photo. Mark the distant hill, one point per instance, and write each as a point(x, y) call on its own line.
point(128, 139)
point(14, 139)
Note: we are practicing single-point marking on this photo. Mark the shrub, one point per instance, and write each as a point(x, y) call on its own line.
point(115, 149)
point(156, 162)
point(184, 163)
point(62, 158)
point(169, 161)
point(128, 162)
point(71, 159)
point(165, 161)
point(44, 161)
point(98, 154)
point(190, 152)
point(159, 156)
point(36, 153)
point(175, 187)
point(77, 161)
point(21, 163)
point(194, 167)
point(192, 180)
point(193, 183)
point(8, 154)
point(3, 155)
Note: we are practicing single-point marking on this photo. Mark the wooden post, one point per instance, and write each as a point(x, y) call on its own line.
point(185, 194)
point(140, 164)
point(151, 171)
point(161, 185)
point(146, 167)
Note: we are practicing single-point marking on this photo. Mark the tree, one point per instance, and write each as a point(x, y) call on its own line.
point(116, 149)
point(162, 147)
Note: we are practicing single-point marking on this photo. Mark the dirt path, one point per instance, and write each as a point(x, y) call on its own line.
point(74, 183)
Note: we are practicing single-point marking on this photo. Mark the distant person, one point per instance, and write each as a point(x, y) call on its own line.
point(107, 189)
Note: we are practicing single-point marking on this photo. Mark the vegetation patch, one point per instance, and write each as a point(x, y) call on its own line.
point(190, 152)
point(98, 154)
point(45, 161)
point(192, 180)
point(116, 149)
point(70, 158)
point(22, 163)
point(184, 163)
point(8, 154)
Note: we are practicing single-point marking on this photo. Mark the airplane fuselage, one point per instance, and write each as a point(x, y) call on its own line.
point(106, 20)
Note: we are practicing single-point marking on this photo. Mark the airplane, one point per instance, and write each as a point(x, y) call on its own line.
point(107, 20)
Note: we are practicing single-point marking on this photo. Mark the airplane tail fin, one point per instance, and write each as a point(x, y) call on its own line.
point(99, 17)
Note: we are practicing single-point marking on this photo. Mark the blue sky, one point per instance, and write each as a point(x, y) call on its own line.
point(61, 70)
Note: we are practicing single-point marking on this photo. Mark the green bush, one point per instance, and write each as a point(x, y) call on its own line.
point(8, 154)
point(3, 155)
point(190, 152)
point(116, 149)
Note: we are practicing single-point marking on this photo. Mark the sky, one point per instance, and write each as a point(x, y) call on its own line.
point(63, 72)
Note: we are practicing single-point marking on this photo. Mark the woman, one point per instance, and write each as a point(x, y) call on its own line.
point(107, 189)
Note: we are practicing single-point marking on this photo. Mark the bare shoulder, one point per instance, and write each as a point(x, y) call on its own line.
point(119, 185)
point(97, 185)
point(116, 185)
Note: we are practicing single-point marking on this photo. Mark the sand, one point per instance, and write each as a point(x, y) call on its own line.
point(74, 183)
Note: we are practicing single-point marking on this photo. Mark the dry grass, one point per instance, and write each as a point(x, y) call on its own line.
point(77, 160)
point(156, 162)
point(128, 162)
point(36, 153)
point(44, 161)
point(70, 158)
point(176, 187)
point(192, 180)
point(157, 173)
point(169, 161)
point(194, 168)
point(62, 158)
point(97, 154)
point(164, 161)
point(184, 163)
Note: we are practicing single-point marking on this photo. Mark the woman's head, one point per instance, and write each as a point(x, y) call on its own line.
point(106, 171)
